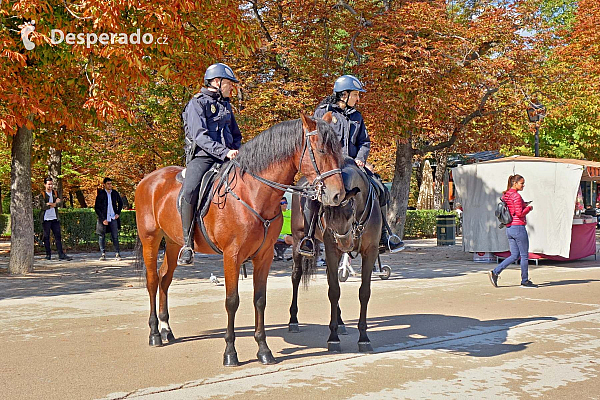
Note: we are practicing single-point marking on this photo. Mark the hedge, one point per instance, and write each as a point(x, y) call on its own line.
point(421, 223)
point(78, 228)
point(4, 224)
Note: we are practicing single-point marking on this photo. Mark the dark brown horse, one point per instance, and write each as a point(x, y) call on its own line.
point(240, 225)
point(353, 226)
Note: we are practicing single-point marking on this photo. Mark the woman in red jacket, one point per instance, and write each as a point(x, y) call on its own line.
point(515, 231)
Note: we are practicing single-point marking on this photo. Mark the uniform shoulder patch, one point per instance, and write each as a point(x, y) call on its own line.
point(213, 109)
point(334, 119)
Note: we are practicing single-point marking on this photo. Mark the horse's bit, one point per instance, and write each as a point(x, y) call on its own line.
point(358, 226)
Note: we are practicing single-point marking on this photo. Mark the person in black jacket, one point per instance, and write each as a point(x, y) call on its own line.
point(350, 127)
point(212, 136)
point(108, 208)
point(48, 203)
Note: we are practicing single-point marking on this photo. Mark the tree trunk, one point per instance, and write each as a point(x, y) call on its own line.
point(1, 211)
point(125, 202)
point(419, 171)
point(54, 169)
point(441, 158)
point(21, 216)
point(71, 198)
point(400, 186)
point(80, 198)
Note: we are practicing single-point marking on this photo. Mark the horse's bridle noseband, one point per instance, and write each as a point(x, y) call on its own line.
point(315, 189)
point(358, 226)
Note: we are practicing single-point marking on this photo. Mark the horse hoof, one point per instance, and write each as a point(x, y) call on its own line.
point(294, 328)
point(365, 347)
point(167, 336)
point(155, 340)
point(334, 347)
point(342, 330)
point(266, 358)
point(230, 360)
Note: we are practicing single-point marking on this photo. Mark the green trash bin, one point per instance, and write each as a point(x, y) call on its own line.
point(446, 229)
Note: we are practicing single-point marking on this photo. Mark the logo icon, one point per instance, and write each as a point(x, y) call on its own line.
point(26, 29)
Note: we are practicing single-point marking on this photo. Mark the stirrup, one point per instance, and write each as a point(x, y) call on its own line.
point(306, 253)
point(399, 243)
point(180, 261)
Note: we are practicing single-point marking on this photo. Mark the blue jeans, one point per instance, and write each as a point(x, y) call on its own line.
point(519, 247)
point(113, 228)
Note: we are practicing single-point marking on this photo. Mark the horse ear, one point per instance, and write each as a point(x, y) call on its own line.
point(328, 117)
point(308, 123)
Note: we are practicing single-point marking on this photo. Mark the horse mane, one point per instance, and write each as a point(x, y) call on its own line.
point(280, 142)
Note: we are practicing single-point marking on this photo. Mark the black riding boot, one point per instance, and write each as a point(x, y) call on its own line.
point(186, 254)
point(306, 247)
point(388, 239)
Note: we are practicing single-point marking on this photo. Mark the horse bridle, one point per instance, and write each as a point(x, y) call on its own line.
point(358, 226)
point(313, 190)
point(317, 184)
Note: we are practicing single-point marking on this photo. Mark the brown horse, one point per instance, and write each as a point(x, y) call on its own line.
point(240, 225)
point(359, 218)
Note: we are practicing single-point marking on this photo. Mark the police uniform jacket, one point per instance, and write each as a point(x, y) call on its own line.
point(210, 127)
point(350, 128)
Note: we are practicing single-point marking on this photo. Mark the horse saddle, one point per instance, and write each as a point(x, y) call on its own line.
point(383, 194)
point(205, 193)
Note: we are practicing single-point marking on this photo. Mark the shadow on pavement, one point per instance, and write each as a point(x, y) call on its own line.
point(568, 282)
point(86, 274)
point(459, 335)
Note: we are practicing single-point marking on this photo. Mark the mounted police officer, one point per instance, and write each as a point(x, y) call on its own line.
point(212, 136)
point(350, 127)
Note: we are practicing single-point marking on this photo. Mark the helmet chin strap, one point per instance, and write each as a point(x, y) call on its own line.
point(347, 107)
point(218, 89)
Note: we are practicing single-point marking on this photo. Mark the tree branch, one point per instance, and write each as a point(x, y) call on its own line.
point(72, 13)
point(260, 20)
point(478, 112)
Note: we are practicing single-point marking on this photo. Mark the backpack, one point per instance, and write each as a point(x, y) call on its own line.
point(503, 214)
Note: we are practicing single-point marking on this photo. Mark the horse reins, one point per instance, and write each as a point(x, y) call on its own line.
point(313, 190)
point(358, 226)
point(317, 184)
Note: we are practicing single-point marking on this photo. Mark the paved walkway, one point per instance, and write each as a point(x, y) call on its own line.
point(439, 329)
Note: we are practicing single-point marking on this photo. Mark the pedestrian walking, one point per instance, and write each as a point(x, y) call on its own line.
point(48, 202)
point(108, 208)
point(516, 233)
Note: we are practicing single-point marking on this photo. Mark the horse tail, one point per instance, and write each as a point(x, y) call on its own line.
point(309, 267)
point(138, 264)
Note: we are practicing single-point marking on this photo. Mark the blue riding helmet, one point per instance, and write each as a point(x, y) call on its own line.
point(347, 82)
point(219, 70)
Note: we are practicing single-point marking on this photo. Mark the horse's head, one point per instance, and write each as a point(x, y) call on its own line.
point(342, 221)
point(321, 158)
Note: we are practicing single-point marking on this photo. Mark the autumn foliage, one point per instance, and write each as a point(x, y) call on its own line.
point(441, 76)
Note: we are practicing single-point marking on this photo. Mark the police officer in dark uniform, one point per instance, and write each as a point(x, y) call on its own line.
point(212, 136)
point(350, 127)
